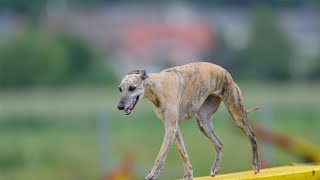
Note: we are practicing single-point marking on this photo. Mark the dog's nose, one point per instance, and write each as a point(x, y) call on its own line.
point(121, 105)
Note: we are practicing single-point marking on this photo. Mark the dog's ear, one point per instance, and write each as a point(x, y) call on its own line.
point(134, 72)
point(143, 74)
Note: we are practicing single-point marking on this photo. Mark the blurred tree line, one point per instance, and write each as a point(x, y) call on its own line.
point(269, 54)
point(35, 59)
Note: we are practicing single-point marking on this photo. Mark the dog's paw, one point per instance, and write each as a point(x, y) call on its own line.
point(213, 174)
point(214, 171)
point(150, 176)
point(256, 166)
point(256, 169)
point(188, 176)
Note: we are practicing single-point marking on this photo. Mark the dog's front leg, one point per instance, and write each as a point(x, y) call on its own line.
point(170, 132)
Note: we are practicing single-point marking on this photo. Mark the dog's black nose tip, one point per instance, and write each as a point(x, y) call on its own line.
point(120, 107)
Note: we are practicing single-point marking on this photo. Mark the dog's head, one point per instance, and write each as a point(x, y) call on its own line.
point(131, 88)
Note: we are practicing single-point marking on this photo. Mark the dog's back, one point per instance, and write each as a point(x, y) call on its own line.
point(196, 81)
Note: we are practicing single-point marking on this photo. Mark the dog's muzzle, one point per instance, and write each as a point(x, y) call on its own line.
point(127, 107)
point(121, 105)
point(128, 110)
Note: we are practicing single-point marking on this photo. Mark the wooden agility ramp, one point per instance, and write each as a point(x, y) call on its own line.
point(295, 172)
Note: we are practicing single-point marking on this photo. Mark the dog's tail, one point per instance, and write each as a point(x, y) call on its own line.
point(248, 111)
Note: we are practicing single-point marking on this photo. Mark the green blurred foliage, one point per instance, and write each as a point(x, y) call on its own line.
point(222, 53)
point(268, 53)
point(31, 9)
point(83, 64)
point(27, 122)
point(12, 158)
point(78, 53)
point(32, 59)
point(314, 73)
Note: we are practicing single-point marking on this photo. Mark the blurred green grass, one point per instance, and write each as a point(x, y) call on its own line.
point(51, 133)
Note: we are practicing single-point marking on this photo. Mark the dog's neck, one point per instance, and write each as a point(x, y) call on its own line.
point(151, 84)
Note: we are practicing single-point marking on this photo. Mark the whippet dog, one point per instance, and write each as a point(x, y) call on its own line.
point(181, 92)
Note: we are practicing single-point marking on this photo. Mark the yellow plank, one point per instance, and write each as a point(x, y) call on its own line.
point(295, 172)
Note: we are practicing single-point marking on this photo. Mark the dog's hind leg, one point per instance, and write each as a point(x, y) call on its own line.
point(235, 104)
point(203, 116)
point(188, 174)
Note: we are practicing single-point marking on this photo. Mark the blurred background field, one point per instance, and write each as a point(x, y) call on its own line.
point(61, 63)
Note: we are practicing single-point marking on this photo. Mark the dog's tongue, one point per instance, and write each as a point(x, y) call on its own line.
point(127, 111)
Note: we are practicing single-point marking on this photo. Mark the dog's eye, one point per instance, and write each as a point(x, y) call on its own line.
point(132, 88)
point(120, 89)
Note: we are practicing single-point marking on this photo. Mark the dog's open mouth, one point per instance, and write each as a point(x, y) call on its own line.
point(129, 109)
